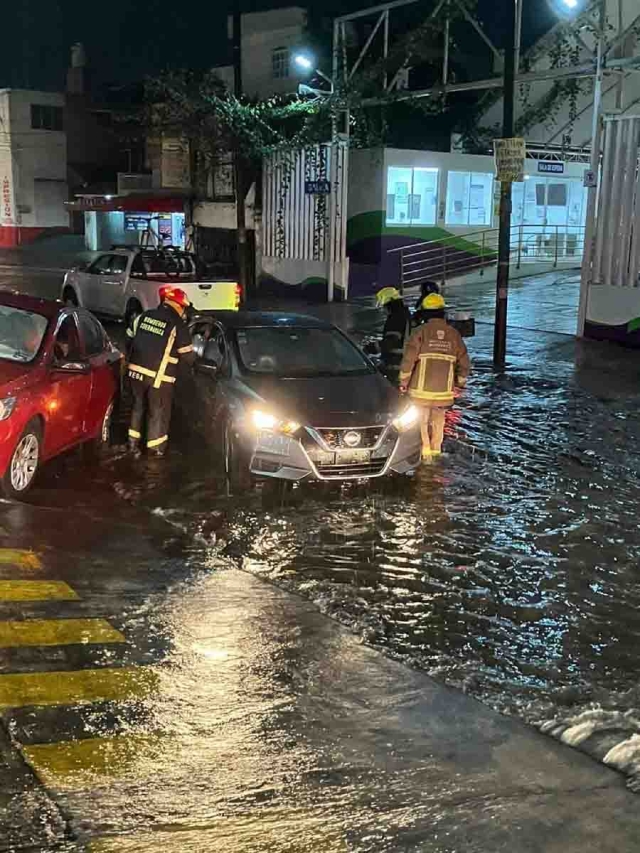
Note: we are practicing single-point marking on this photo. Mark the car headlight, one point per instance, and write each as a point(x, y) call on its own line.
point(270, 423)
point(6, 407)
point(407, 419)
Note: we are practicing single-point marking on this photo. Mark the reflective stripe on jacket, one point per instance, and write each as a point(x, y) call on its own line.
point(160, 339)
point(435, 361)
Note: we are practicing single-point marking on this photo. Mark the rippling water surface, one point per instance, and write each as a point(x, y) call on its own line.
point(510, 569)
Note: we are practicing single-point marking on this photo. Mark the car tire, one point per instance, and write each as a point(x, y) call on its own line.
point(69, 297)
point(99, 446)
point(134, 308)
point(24, 463)
point(236, 466)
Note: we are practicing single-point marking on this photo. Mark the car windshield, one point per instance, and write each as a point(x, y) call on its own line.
point(295, 351)
point(21, 333)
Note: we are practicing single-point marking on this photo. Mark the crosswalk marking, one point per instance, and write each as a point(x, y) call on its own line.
point(76, 687)
point(19, 557)
point(73, 765)
point(36, 591)
point(57, 632)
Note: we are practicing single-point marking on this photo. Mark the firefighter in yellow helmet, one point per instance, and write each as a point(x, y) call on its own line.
point(160, 339)
point(396, 330)
point(435, 361)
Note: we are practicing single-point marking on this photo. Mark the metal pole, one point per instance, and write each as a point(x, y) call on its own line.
point(333, 170)
point(238, 170)
point(594, 163)
point(504, 233)
point(516, 61)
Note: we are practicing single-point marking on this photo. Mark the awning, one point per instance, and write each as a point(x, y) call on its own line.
point(133, 203)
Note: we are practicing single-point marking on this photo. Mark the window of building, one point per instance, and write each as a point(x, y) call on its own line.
point(280, 63)
point(469, 198)
point(548, 201)
point(412, 196)
point(45, 117)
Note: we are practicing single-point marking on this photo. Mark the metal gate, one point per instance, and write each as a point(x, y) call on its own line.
point(616, 244)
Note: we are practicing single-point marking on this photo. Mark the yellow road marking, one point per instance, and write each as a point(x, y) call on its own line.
point(19, 557)
point(71, 688)
point(57, 632)
point(72, 765)
point(36, 591)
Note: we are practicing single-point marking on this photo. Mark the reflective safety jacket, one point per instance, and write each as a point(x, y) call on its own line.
point(396, 330)
point(160, 339)
point(435, 361)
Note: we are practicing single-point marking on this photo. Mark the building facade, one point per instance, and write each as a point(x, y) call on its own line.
point(33, 165)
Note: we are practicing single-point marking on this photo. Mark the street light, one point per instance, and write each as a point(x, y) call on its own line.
point(306, 63)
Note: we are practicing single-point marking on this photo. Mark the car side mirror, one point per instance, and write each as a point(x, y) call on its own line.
point(72, 366)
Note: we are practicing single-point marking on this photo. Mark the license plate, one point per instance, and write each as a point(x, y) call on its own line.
point(352, 457)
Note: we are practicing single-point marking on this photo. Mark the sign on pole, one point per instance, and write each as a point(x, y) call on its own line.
point(589, 179)
point(509, 156)
point(318, 187)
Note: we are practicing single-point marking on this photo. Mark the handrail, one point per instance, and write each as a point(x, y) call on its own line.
point(456, 254)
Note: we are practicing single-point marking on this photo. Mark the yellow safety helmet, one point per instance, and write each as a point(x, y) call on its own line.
point(386, 295)
point(433, 302)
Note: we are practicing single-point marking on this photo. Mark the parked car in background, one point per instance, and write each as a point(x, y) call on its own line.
point(293, 398)
point(59, 378)
point(126, 281)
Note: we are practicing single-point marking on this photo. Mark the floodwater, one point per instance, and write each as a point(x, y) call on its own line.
point(508, 569)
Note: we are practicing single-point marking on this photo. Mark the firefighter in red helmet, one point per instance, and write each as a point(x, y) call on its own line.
point(159, 341)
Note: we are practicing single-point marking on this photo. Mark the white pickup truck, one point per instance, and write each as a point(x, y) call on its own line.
point(123, 282)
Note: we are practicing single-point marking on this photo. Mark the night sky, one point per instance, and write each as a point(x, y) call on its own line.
point(126, 39)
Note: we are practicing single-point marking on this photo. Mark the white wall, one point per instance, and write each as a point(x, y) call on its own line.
point(262, 33)
point(39, 163)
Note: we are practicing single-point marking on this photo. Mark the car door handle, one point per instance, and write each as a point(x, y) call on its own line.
point(111, 281)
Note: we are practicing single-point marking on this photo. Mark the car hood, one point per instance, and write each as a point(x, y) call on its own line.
point(337, 401)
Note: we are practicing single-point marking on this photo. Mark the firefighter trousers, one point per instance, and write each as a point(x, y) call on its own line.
point(151, 409)
point(432, 429)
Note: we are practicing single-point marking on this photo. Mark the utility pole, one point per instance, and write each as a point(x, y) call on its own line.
point(238, 166)
point(504, 233)
point(594, 166)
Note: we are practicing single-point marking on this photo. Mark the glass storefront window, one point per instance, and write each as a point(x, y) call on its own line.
point(412, 196)
point(549, 201)
point(469, 198)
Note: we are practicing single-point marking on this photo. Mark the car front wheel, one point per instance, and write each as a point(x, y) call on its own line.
point(24, 463)
point(236, 464)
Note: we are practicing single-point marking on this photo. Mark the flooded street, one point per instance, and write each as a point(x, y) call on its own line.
point(173, 691)
point(508, 570)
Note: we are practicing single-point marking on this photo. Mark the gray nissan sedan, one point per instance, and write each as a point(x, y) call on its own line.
point(291, 397)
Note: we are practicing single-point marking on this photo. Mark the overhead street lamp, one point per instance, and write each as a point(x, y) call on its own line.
point(306, 63)
point(566, 9)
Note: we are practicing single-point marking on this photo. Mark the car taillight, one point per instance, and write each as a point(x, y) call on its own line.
point(238, 294)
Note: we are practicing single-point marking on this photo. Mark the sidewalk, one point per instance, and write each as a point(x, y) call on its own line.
point(270, 727)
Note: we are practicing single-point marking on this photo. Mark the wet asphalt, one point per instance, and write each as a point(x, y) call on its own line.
point(168, 673)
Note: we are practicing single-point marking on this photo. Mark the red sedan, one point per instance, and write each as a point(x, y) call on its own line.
point(59, 376)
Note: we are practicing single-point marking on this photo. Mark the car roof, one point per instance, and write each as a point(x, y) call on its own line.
point(269, 319)
point(45, 307)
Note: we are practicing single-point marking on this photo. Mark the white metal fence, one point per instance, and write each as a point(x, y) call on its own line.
point(454, 256)
point(616, 246)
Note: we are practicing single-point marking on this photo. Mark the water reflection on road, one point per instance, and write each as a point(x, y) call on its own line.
point(510, 569)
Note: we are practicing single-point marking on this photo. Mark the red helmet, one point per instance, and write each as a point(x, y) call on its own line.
point(175, 294)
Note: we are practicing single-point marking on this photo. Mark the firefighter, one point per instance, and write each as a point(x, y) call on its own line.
point(426, 289)
point(435, 362)
point(159, 341)
point(396, 330)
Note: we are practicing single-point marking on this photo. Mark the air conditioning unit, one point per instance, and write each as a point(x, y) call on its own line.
point(132, 183)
